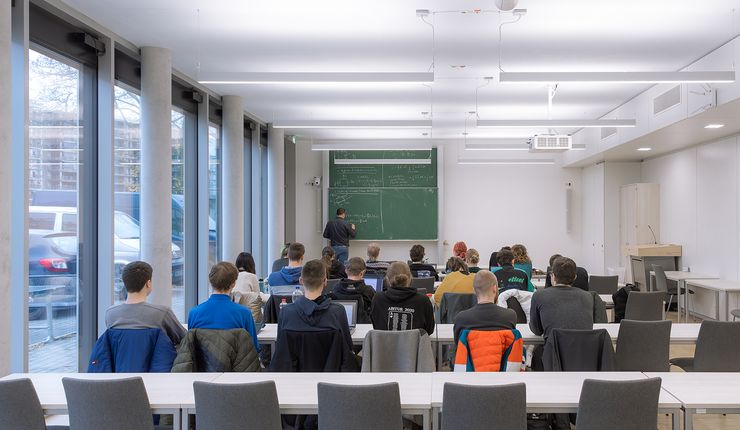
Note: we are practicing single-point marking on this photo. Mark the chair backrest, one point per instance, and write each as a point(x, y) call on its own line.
point(472, 407)
point(718, 347)
point(643, 346)
point(513, 304)
point(330, 284)
point(645, 306)
point(571, 350)
point(396, 351)
point(369, 407)
point(244, 406)
point(310, 351)
point(20, 408)
point(425, 283)
point(661, 282)
point(454, 303)
point(613, 405)
point(111, 404)
point(603, 284)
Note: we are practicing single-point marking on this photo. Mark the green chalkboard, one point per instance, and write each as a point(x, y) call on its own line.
point(382, 175)
point(386, 201)
point(388, 213)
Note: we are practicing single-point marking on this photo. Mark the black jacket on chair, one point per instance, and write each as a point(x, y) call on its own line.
point(578, 351)
point(313, 351)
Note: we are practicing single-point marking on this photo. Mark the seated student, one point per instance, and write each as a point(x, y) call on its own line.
point(493, 261)
point(472, 258)
point(289, 274)
point(401, 307)
point(522, 260)
point(372, 263)
point(581, 275)
point(561, 306)
point(508, 276)
point(219, 312)
point(314, 311)
point(418, 268)
point(246, 292)
point(354, 287)
point(459, 280)
point(486, 315)
point(136, 313)
point(282, 261)
point(334, 268)
point(459, 249)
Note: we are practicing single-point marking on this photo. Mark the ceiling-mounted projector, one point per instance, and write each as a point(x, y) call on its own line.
point(550, 143)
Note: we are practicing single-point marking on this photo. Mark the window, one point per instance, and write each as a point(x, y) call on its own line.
point(54, 165)
point(214, 196)
point(178, 212)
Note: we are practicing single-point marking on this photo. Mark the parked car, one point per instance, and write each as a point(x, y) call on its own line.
point(54, 219)
point(52, 271)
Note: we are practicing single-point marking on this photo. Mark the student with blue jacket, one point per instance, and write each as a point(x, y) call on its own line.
point(219, 312)
point(290, 274)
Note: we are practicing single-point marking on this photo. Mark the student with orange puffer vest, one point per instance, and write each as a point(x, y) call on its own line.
point(486, 335)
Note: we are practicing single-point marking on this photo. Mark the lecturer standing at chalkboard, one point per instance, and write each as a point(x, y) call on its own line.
point(339, 231)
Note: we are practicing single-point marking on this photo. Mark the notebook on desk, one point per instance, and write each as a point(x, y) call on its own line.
point(350, 307)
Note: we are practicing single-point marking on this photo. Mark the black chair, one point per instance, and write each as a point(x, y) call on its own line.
point(330, 284)
point(229, 406)
point(20, 408)
point(603, 284)
point(112, 404)
point(369, 407)
point(670, 290)
point(513, 304)
point(426, 283)
point(452, 304)
point(473, 407)
point(617, 405)
point(643, 346)
point(645, 306)
point(717, 349)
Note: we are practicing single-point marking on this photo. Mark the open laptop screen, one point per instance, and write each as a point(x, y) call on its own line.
point(350, 306)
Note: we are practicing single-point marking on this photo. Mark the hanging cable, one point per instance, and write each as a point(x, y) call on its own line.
point(500, 37)
point(488, 81)
point(434, 42)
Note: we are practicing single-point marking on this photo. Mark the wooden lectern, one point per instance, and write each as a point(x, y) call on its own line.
point(642, 258)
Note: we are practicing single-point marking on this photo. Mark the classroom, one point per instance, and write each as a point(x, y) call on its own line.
point(468, 214)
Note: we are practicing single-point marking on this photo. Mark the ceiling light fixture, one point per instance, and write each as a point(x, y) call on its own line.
point(714, 126)
point(304, 78)
point(352, 124)
point(371, 145)
point(507, 162)
point(645, 149)
point(617, 77)
point(557, 123)
point(351, 161)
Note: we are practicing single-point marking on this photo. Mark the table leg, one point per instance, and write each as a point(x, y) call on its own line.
point(439, 355)
point(426, 423)
point(436, 418)
point(177, 421)
point(688, 421)
point(723, 306)
point(676, 419)
point(681, 285)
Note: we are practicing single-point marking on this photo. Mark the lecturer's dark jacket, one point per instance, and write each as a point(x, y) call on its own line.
point(339, 232)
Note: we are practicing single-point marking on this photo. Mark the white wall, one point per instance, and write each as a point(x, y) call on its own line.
point(592, 206)
point(308, 205)
point(698, 198)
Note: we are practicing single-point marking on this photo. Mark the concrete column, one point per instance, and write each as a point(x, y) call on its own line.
point(232, 187)
point(156, 169)
point(260, 260)
point(275, 192)
point(6, 186)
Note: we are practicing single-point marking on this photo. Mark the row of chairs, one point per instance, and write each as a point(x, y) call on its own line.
point(122, 404)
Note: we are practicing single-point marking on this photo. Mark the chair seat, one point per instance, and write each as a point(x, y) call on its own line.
point(685, 363)
point(735, 313)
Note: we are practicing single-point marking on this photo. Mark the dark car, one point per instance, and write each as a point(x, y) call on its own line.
point(52, 272)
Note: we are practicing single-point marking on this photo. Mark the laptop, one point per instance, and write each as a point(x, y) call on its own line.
point(350, 307)
point(374, 280)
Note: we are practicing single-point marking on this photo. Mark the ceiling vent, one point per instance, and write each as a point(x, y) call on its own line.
point(550, 142)
point(667, 100)
point(608, 132)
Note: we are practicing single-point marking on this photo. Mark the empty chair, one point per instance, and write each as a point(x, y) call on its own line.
point(472, 407)
point(603, 284)
point(643, 346)
point(717, 349)
point(20, 408)
point(735, 314)
point(231, 406)
point(425, 283)
point(454, 303)
point(111, 404)
point(397, 351)
point(644, 306)
point(661, 284)
point(369, 407)
point(617, 405)
point(330, 284)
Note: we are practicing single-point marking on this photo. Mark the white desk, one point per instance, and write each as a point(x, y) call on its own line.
point(297, 392)
point(551, 392)
point(168, 393)
point(681, 277)
point(722, 289)
point(717, 393)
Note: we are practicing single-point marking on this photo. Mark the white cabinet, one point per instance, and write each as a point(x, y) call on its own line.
point(639, 216)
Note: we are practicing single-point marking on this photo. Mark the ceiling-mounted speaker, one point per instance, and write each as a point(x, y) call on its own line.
point(506, 5)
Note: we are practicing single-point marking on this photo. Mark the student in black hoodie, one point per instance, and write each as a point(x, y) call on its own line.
point(334, 268)
point(418, 268)
point(353, 288)
point(401, 307)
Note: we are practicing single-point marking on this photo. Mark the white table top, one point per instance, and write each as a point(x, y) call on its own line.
point(715, 284)
point(702, 390)
point(165, 390)
point(607, 298)
point(297, 391)
point(679, 275)
point(546, 391)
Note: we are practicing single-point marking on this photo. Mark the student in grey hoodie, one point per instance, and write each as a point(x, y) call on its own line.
point(290, 274)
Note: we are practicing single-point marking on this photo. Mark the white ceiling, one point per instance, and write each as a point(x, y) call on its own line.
point(386, 36)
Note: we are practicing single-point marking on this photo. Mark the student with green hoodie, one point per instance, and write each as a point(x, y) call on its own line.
point(290, 274)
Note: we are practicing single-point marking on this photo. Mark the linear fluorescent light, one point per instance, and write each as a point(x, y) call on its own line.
point(371, 145)
point(503, 162)
point(617, 77)
point(557, 123)
point(353, 124)
point(266, 78)
point(714, 126)
point(382, 161)
point(494, 147)
point(645, 149)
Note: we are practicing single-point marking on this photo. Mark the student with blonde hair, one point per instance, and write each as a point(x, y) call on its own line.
point(472, 258)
